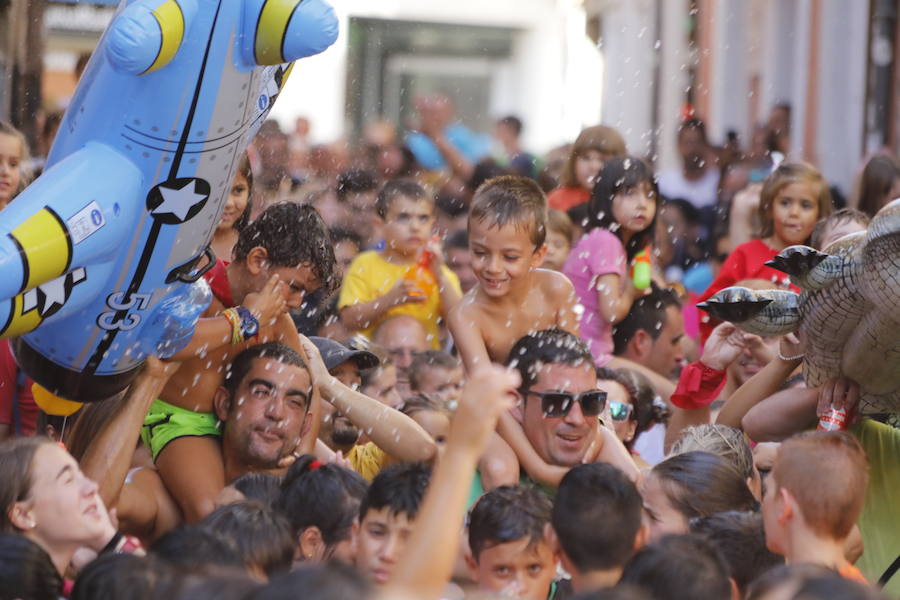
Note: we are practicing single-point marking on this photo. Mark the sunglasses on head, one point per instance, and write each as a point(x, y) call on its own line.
point(620, 411)
point(558, 404)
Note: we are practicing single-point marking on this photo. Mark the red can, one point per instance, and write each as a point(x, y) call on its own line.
point(834, 420)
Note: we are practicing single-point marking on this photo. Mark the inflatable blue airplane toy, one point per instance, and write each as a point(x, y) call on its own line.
point(101, 257)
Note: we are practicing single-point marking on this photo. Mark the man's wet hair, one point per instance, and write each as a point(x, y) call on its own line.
point(243, 362)
point(647, 313)
point(548, 346)
point(399, 488)
point(597, 516)
point(292, 235)
point(399, 188)
point(507, 514)
point(512, 200)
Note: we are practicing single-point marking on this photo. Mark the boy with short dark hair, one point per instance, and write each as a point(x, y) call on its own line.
point(510, 540)
point(597, 518)
point(814, 495)
point(438, 374)
point(407, 277)
point(386, 518)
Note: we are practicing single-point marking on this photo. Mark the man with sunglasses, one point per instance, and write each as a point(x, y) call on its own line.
point(560, 401)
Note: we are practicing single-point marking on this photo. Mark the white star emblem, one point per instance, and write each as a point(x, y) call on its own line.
point(178, 202)
point(55, 292)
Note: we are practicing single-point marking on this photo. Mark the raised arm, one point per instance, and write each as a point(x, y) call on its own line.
point(762, 385)
point(399, 436)
point(108, 458)
point(427, 563)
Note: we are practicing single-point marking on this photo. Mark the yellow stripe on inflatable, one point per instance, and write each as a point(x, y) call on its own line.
point(20, 323)
point(273, 22)
point(171, 25)
point(45, 244)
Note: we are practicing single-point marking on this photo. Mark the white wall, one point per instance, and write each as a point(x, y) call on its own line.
point(553, 81)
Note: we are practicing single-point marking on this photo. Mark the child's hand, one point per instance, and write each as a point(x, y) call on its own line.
point(160, 369)
point(724, 346)
point(437, 254)
point(405, 292)
point(747, 200)
point(488, 392)
point(269, 303)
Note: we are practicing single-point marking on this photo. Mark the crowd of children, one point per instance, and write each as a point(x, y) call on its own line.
point(340, 425)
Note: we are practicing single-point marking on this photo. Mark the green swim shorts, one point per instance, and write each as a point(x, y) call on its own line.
point(165, 422)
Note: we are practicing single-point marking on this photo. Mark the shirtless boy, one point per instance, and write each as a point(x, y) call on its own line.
point(278, 258)
point(513, 297)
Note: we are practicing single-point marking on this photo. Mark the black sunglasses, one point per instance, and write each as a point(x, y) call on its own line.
point(558, 404)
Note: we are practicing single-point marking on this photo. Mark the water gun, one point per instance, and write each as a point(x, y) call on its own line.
point(422, 276)
point(101, 257)
point(641, 270)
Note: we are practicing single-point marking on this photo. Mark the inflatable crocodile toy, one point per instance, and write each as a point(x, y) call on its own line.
point(848, 312)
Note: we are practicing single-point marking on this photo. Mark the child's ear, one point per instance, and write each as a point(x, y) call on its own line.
point(641, 537)
point(310, 545)
point(222, 403)
point(473, 566)
point(786, 512)
point(537, 259)
point(257, 260)
point(518, 411)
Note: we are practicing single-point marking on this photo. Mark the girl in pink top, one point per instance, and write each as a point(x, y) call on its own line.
point(621, 222)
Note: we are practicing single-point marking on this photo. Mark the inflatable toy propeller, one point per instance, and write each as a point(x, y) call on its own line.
point(101, 257)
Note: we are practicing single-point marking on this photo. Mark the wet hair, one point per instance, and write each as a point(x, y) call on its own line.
point(243, 169)
point(261, 487)
point(877, 179)
point(196, 549)
point(355, 181)
point(399, 188)
point(330, 581)
point(120, 576)
point(647, 313)
point(699, 484)
point(559, 222)
point(601, 138)
point(7, 128)
point(741, 539)
point(513, 122)
point(621, 175)
point(507, 514)
point(845, 215)
point(260, 536)
point(597, 516)
point(292, 234)
point(484, 170)
point(27, 571)
point(243, 362)
point(223, 585)
point(784, 175)
point(430, 359)
point(679, 567)
point(16, 472)
point(831, 494)
point(548, 346)
point(645, 408)
point(399, 488)
point(325, 496)
point(723, 441)
point(511, 200)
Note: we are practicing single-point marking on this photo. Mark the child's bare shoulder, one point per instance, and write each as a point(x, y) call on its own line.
point(554, 284)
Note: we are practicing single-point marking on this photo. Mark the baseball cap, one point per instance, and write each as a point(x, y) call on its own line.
point(335, 353)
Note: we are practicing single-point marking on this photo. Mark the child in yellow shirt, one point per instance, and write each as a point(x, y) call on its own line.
point(409, 276)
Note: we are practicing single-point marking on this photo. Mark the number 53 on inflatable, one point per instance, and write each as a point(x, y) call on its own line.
point(100, 257)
